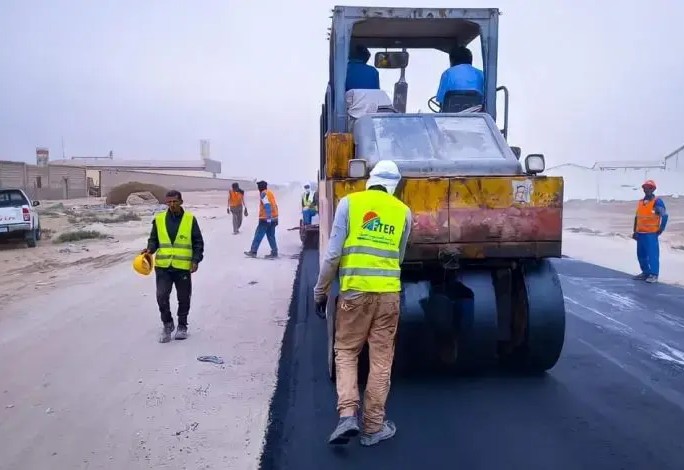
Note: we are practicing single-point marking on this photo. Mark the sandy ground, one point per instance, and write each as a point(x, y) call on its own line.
point(600, 233)
point(85, 383)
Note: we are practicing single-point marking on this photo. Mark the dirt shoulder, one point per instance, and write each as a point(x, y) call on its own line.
point(89, 386)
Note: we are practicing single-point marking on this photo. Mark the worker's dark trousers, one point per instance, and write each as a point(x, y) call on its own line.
point(166, 279)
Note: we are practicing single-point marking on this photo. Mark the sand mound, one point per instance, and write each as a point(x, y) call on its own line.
point(119, 194)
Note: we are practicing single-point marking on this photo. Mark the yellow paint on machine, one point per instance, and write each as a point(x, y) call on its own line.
point(432, 194)
point(339, 149)
point(503, 192)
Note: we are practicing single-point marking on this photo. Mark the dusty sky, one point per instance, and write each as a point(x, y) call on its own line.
point(590, 80)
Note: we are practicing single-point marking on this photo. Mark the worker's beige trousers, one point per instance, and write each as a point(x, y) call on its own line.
point(367, 317)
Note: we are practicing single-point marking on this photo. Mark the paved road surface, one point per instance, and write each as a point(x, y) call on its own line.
point(615, 400)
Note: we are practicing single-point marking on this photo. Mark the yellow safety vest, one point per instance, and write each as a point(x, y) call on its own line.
point(308, 200)
point(179, 253)
point(370, 254)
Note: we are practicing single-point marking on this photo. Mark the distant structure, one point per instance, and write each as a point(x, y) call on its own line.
point(42, 156)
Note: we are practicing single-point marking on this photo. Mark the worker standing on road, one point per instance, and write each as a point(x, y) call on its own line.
point(308, 205)
point(649, 222)
point(268, 221)
point(177, 240)
point(367, 245)
point(236, 206)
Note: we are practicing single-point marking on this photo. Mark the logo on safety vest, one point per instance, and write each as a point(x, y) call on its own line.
point(372, 223)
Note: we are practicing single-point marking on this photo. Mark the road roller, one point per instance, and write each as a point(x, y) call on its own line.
point(479, 288)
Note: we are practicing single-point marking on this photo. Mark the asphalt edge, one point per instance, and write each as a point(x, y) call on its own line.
point(280, 400)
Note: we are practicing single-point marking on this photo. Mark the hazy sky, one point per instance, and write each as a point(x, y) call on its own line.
point(589, 80)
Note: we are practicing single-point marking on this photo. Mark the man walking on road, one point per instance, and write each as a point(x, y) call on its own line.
point(236, 206)
point(268, 221)
point(649, 222)
point(177, 240)
point(367, 244)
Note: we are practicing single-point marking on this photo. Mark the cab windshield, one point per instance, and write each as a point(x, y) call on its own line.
point(426, 137)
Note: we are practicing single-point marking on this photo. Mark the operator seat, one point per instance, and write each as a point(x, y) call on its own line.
point(456, 101)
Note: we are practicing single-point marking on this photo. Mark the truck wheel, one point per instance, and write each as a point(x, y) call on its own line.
point(32, 238)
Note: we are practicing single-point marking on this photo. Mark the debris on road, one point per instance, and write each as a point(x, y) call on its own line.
point(214, 359)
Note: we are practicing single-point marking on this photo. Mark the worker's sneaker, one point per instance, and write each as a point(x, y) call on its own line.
point(182, 332)
point(250, 254)
point(640, 277)
point(652, 279)
point(165, 335)
point(387, 431)
point(271, 256)
point(347, 427)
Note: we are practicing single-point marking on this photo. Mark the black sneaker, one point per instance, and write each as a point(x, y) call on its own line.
point(182, 332)
point(165, 335)
point(271, 256)
point(347, 428)
point(250, 254)
point(652, 279)
point(640, 277)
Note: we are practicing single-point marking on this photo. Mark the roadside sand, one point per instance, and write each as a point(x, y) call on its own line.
point(600, 233)
point(86, 385)
point(50, 264)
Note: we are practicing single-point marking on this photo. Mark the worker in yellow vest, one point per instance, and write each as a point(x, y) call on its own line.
point(366, 248)
point(177, 241)
point(309, 204)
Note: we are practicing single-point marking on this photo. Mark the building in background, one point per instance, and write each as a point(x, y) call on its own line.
point(622, 180)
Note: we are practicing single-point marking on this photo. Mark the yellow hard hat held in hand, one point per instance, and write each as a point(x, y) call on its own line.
point(142, 264)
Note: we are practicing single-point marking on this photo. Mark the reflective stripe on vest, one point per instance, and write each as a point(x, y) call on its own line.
point(370, 254)
point(647, 220)
point(179, 253)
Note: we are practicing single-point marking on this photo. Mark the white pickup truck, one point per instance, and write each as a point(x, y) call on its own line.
point(18, 217)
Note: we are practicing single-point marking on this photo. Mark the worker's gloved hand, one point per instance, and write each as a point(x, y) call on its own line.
point(321, 304)
point(246, 214)
point(659, 233)
point(145, 252)
point(193, 267)
point(228, 211)
point(634, 236)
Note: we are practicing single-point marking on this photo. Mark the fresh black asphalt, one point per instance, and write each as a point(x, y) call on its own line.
point(615, 400)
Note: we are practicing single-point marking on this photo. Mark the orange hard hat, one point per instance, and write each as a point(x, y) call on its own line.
point(650, 183)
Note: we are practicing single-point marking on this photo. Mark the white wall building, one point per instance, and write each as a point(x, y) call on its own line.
point(621, 180)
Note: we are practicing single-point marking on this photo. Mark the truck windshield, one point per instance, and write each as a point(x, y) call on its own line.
point(448, 138)
point(12, 198)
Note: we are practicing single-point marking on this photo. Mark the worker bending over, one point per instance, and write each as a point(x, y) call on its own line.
point(649, 222)
point(308, 204)
point(367, 245)
point(236, 206)
point(177, 241)
point(268, 221)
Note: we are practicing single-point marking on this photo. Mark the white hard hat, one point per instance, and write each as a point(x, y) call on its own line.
point(385, 173)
